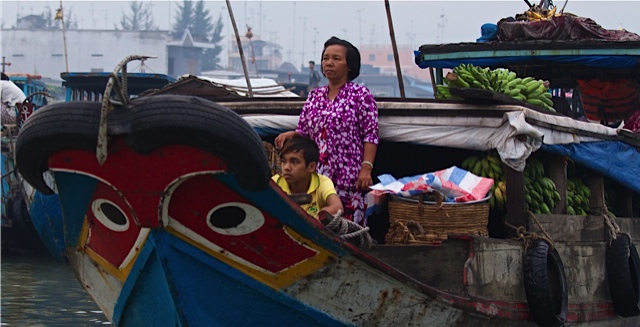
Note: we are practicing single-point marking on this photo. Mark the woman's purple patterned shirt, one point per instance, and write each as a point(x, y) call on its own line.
point(340, 128)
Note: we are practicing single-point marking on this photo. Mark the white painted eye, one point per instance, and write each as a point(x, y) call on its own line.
point(235, 218)
point(110, 215)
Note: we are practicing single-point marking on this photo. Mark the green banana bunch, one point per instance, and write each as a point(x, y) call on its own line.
point(499, 80)
point(537, 94)
point(578, 195)
point(475, 77)
point(443, 93)
point(499, 195)
point(541, 195)
point(489, 166)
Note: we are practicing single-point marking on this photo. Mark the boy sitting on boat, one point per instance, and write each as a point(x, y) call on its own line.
point(299, 158)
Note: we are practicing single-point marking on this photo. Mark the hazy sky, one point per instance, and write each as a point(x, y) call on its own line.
point(301, 27)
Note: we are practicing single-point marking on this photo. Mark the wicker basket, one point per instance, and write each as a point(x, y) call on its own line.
point(438, 220)
point(273, 156)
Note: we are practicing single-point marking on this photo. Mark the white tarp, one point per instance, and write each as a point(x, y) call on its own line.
point(511, 135)
point(261, 87)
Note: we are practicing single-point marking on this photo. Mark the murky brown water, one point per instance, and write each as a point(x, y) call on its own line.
point(38, 291)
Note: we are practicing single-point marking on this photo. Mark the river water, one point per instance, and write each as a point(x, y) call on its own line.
point(39, 291)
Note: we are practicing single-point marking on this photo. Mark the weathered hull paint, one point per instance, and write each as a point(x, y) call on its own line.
point(46, 215)
point(181, 276)
point(149, 238)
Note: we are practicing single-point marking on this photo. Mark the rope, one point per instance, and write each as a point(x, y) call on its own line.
point(614, 229)
point(349, 230)
point(528, 237)
point(408, 230)
point(121, 90)
point(7, 173)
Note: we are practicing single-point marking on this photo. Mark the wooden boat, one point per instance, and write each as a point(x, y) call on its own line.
point(17, 230)
point(90, 86)
point(44, 209)
point(170, 218)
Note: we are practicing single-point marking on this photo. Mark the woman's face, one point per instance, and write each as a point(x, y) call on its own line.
point(334, 63)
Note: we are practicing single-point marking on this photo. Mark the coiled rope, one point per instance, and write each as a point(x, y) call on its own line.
point(350, 231)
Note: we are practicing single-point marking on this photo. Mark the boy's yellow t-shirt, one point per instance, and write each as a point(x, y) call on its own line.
point(320, 188)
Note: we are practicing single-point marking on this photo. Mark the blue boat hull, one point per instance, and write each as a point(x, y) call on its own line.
point(46, 216)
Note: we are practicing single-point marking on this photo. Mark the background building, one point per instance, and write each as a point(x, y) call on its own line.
point(259, 54)
point(381, 56)
point(42, 51)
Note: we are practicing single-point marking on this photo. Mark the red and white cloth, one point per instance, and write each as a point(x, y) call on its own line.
point(456, 184)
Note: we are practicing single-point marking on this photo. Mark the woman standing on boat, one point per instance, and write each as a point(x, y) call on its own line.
point(342, 118)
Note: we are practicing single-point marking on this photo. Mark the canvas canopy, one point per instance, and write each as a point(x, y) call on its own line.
point(516, 134)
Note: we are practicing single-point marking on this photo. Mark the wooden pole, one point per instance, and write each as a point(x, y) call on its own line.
point(433, 81)
point(244, 64)
point(4, 63)
point(516, 203)
point(64, 39)
point(395, 49)
point(562, 10)
point(249, 35)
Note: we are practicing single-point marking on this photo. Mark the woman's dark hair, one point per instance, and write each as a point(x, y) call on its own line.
point(5, 77)
point(308, 146)
point(353, 56)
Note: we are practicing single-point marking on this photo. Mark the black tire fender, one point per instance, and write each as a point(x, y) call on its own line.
point(545, 284)
point(52, 128)
point(147, 123)
point(623, 268)
point(172, 119)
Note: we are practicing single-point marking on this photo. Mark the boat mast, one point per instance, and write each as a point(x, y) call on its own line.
point(244, 64)
point(392, 33)
point(249, 35)
point(60, 16)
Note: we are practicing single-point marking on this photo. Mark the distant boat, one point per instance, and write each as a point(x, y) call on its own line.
point(17, 229)
point(221, 88)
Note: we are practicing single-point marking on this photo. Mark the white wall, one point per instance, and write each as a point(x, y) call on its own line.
point(34, 51)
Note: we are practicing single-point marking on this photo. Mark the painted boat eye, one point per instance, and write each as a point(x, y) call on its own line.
point(235, 218)
point(110, 215)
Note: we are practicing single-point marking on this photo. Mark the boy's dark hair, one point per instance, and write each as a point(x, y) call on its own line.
point(307, 145)
point(353, 56)
point(5, 77)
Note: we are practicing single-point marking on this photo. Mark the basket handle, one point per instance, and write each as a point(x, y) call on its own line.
point(439, 198)
point(439, 206)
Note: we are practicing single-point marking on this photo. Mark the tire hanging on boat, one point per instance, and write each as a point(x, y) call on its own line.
point(56, 127)
point(623, 268)
point(545, 284)
point(147, 123)
point(174, 119)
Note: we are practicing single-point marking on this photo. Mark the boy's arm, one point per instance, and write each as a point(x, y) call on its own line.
point(328, 192)
point(333, 204)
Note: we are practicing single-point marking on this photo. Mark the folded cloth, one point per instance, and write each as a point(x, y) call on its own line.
point(457, 185)
point(388, 185)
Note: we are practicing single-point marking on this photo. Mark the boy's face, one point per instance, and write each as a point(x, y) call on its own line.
point(294, 168)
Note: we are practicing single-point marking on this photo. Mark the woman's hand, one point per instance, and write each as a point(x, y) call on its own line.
point(280, 139)
point(364, 178)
